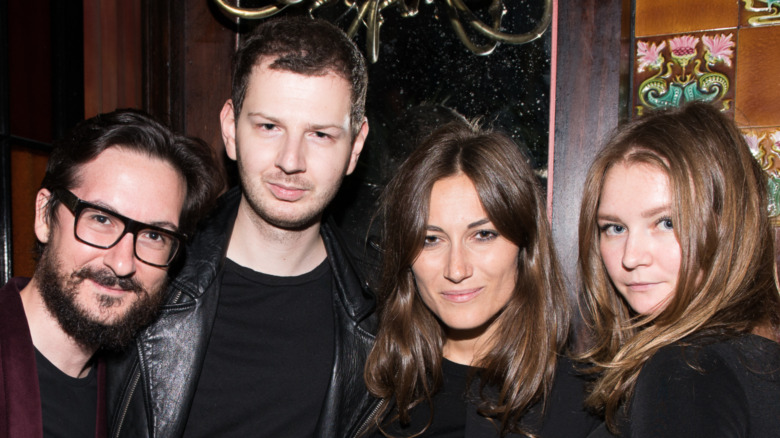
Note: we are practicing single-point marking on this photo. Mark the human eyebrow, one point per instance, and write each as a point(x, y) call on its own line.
point(263, 116)
point(164, 224)
point(656, 211)
point(433, 228)
point(607, 217)
point(103, 206)
point(339, 130)
point(478, 223)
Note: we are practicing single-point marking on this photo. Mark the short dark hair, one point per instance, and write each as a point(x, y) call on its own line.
point(135, 130)
point(306, 46)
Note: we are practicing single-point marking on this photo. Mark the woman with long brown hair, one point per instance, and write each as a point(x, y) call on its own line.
point(678, 265)
point(473, 313)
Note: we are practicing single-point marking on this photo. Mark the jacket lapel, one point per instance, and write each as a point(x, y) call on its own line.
point(20, 396)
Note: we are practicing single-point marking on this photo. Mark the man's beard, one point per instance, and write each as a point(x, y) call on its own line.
point(60, 291)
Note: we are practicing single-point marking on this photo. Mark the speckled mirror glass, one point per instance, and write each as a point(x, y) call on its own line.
point(424, 73)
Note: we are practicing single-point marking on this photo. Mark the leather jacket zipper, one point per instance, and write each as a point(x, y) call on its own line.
point(129, 398)
point(365, 425)
point(134, 384)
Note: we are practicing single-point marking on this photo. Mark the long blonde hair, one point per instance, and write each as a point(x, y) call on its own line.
point(726, 284)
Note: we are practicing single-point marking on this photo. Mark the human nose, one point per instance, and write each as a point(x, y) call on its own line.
point(458, 265)
point(120, 258)
point(291, 158)
point(637, 251)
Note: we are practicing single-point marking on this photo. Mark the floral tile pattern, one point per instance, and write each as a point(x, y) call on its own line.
point(765, 146)
point(672, 70)
point(722, 51)
point(760, 13)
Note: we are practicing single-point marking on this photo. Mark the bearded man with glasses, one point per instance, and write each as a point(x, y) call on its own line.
point(119, 194)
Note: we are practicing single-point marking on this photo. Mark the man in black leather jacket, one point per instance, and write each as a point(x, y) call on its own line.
point(270, 319)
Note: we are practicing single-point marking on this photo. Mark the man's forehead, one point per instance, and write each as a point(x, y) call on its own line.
point(283, 97)
point(132, 183)
point(269, 63)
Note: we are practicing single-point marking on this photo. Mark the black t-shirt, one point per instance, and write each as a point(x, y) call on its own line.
point(449, 408)
point(713, 388)
point(69, 404)
point(455, 416)
point(269, 358)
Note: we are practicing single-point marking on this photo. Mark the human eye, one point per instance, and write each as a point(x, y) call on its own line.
point(98, 219)
point(154, 238)
point(430, 241)
point(665, 223)
point(263, 126)
point(322, 137)
point(485, 235)
point(611, 229)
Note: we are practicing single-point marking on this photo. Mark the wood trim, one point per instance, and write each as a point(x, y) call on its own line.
point(188, 46)
point(112, 55)
point(587, 108)
point(6, 248)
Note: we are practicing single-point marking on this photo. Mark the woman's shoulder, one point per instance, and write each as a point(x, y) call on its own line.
point(738, 364)
point(708, 384)
point(757, 353)
point(716, 355)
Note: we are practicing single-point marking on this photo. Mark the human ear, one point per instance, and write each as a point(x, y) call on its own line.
point(42, 207)
point(357, 146)
point(227, 120)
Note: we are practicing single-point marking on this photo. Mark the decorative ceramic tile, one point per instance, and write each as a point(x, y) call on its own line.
point(765, 145)
point(663, 17)
point(757, 82)
point(672, 70)
point(760, 13)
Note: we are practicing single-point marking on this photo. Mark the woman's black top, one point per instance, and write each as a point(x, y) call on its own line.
point(455, 413)
point(713, 388)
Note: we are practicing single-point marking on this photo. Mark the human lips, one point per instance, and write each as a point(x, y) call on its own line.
point(109, 290)
point(287, 192)
point(461, 296)
point(641, 286)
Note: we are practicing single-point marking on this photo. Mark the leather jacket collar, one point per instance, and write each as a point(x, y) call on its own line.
point(151, 387)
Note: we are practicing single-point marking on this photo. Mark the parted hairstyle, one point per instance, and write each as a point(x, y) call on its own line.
point(405, 363)
point(136, 131)
point(307, 46)
point(726, 282)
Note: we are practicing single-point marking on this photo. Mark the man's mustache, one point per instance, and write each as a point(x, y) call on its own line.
point(106, 278)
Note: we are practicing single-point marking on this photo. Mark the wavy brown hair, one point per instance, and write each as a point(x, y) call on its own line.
point(726, 282)
point(405, 363)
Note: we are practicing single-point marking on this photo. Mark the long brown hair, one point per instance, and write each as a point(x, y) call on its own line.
point(726, 282)
point(405, 363)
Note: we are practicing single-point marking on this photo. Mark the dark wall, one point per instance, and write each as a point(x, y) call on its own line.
point(587, 108)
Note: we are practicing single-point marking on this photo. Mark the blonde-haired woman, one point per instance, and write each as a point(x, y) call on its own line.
point(677, 259)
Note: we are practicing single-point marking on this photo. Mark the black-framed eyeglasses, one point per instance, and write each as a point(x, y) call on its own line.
point(102, 228)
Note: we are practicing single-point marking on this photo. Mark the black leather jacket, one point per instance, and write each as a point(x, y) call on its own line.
point(151, 386)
